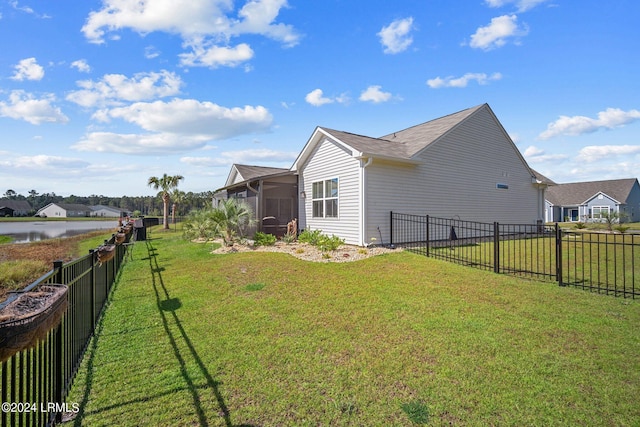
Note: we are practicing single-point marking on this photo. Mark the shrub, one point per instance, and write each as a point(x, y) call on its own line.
point(326, 243)
point(580, 225)
point(310, 236)
point(621, 228)
point(264, 239)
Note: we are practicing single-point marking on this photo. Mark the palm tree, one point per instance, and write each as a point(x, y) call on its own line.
point(166, 183)
point(178, 198)
point(231, 217)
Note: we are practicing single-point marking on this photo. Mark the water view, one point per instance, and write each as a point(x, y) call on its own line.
point(25, 232)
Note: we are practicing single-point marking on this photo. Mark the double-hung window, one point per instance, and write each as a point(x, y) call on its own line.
point(598, 211)
point(324, 195)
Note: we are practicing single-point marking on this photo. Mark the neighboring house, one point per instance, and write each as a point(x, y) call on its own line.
point(588, 201)
point(107, 211)
point(270, 192)
point(64, 210)
point(463, 166)
point(10, 207)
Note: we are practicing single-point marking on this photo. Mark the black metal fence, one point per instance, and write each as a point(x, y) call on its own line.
point(35, 381)
point(604, 262)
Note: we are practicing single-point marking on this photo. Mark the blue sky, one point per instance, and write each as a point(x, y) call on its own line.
point(98, 96)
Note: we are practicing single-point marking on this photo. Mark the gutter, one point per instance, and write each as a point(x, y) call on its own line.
point(363, 199)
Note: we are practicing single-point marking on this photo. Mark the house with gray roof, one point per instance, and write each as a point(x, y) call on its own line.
point(107, 211)
point(9, 207)
point(64, 210)
point(462, 166)
point(588, 201)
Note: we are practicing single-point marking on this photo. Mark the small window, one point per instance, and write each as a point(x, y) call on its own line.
point(501, 186)
point(324, 196)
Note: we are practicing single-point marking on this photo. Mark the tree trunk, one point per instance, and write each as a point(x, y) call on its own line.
point(165, 200)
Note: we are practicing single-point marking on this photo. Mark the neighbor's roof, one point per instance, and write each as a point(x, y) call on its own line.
point(101, 207)
point(16, 205)
point(73, 206)
point(577, 193)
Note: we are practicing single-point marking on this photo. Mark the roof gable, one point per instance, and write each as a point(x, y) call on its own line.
point(578, 193)
point(402, 145)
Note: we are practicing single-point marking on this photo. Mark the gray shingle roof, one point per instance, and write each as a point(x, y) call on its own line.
point(74, 207)
point(252, 172)
point(579, 192)
point(16, 205)
point(406, 143)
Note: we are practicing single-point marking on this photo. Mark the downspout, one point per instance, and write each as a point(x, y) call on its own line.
point(363, 200)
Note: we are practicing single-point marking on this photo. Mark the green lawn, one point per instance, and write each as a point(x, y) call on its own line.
point(192, 338)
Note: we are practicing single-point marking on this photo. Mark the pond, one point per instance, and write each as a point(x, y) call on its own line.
point(32, 231)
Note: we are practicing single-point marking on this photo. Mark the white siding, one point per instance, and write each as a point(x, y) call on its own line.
point(457, 180)
point(331, 161)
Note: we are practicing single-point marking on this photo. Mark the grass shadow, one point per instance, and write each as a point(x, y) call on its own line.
point(167, 307)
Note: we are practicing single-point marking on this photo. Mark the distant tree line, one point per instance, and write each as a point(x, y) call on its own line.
point(138, 205)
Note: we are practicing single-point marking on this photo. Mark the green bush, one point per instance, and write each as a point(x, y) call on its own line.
point(322, 241)
point(311, 237)
point(264, 239)
point(326, 243)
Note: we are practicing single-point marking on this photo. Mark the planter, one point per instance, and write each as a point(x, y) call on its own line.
point(106, 253)
point(28, 318)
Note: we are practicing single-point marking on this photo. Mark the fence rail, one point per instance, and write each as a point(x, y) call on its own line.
point(603, 262)
point(35, 382)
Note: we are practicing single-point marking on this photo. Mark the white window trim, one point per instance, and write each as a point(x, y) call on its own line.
point(324, 199)
point(593, 208)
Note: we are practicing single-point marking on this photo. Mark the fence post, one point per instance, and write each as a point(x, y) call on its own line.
point(559, 255)
point(93, 290)
point(496, 247)
point(428, 239)
point(57, 276)
point(390, 228)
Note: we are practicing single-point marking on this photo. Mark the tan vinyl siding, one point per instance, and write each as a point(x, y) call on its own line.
point(331, 161)
point(457, 179)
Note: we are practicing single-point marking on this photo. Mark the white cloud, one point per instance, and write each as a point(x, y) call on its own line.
point(497, 32)
point(112, 89)
point(28, 69)
point(176, 126)
point(191, 20)
point(375, 94)
point(395, 37)
point(24, 106)
point(316, 98)
point(537, 155)
point(81, 65)
point(594, 153)
point(258, 17)
point(42, 161)
point(577, 125)
point(216, 56)
point(521, 5)
point(151, 52)
point(480, 78)
point(227, 158)
point(191, 117)
point(141, 144)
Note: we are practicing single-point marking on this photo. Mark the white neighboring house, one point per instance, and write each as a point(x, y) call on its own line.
point(107, 211)
point(463, 166)
point(64, 210)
